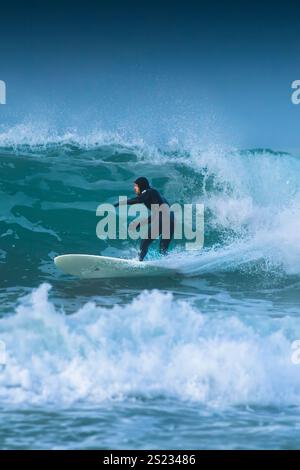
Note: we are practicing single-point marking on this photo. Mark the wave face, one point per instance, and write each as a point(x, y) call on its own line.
point(51, 186)
point(206, 350)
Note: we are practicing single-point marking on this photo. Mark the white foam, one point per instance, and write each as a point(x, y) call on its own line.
point(155, 345)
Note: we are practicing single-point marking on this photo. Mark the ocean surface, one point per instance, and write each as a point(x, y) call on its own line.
point(198, 360)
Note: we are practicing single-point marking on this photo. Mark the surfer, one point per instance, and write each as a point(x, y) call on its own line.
point(160, 217)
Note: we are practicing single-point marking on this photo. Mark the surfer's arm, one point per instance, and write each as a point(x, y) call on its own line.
point(140, 199)
point(126, 202)
point(135, 200)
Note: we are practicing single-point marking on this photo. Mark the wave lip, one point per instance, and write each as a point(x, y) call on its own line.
point(44, 136)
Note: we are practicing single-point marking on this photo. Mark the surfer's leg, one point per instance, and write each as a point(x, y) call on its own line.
point(144, 248)
point(145, 243)
point(165, 242)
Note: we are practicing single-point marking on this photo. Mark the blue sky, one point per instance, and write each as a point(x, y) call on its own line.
point(222, 71)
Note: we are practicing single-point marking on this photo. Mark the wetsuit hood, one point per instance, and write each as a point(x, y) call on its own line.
point(142, 183)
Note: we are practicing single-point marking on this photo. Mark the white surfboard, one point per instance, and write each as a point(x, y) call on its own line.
point(93, 267)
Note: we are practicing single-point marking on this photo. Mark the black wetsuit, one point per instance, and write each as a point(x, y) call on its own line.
point(149, 197)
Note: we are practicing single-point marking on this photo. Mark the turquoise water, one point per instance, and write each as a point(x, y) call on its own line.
point(201, 359)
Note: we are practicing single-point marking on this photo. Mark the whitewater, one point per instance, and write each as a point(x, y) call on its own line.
point(200, 359)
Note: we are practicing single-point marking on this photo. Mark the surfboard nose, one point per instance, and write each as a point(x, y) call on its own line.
point(65, 263)
point(57, 261)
